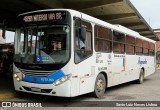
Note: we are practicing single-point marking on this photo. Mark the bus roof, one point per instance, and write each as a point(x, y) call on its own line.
point(99, 22)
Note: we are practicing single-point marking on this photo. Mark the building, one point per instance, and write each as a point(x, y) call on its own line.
point(2, 40)
point(158, 48)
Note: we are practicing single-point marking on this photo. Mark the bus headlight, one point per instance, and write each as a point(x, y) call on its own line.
point(62, 80)
point(16, 77)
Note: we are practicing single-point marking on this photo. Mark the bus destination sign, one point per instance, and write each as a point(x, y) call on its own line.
point(45, 17)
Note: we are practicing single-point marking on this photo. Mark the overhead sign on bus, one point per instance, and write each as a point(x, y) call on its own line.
point(45, 17)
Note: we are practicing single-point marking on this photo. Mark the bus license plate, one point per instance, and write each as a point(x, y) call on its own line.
point(35, 89)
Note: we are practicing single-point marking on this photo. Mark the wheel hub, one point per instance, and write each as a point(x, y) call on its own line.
point(100, 85)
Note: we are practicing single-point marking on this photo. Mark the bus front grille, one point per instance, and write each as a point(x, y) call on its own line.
point(36, 73)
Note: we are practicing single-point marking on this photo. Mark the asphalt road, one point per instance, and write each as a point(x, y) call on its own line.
point(148, 91)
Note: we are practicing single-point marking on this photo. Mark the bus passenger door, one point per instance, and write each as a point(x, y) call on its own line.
point(83, 54)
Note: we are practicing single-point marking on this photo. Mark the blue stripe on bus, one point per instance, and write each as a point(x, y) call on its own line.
point(43, 79)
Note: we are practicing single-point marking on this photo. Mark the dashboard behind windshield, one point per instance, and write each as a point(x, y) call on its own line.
point(43, 45)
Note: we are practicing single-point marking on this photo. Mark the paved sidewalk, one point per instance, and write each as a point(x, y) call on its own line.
point(6, 88)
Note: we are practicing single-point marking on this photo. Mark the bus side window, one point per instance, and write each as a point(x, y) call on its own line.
point(83, 47)
point(119, 37)
point(130, 45)
point(151, 49)
point(118, 42)
point(118, 47)
point(88, 41)
point(146, 48)
point(139, 49)
point(103, 39)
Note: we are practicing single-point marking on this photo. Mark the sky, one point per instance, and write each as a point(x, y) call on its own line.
point(149, 9)
point(10, 36)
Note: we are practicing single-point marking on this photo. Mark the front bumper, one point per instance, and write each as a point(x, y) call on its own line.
point(63, 90)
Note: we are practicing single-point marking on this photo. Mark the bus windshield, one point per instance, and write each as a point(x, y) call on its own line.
point(43, 45)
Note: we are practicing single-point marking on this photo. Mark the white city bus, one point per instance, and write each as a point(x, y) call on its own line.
point(63, 52)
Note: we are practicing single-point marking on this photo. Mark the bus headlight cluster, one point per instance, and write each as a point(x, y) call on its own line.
point(16, 77)
point(62, 80)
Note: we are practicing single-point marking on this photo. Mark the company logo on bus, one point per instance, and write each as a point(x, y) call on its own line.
point(142, 61)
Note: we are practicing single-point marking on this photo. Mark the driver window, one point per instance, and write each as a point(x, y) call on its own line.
point(83, 47)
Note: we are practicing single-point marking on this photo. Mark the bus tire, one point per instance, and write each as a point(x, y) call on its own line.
point(100, 86)
point(141, 77)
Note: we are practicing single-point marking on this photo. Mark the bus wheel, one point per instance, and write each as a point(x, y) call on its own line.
point(100, 86)
point(141, 77)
